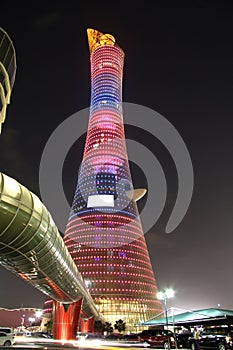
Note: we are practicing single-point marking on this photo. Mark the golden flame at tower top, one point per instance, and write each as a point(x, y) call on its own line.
point(96, 38)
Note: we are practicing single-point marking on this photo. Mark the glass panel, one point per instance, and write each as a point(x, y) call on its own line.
point(44, 249)
point(10, 200)
point(11, 71)
point(26, 235)
point(11, 187)
point(3, 48)
point(12, 232)
point(7, 59)
point(25, 209)
point(6, 217)
point(37, 205)
point(26, 198)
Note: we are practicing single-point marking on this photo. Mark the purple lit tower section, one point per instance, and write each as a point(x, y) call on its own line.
point(104, 233)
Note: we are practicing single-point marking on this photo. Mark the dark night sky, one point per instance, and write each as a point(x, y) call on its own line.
point(178, 61)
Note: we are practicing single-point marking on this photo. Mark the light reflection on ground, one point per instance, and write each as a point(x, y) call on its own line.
point(46, 344)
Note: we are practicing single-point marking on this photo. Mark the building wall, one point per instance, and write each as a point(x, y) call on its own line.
point(17, 317)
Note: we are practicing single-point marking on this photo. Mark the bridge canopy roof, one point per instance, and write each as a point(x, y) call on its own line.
point(194, 317)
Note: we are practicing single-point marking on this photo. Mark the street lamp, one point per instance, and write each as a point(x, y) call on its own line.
point(38, 313)
point(22, 321)
point(164, 295)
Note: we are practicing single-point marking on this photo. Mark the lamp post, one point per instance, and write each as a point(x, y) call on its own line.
point(22, 321)
point(164, 295)
point(173, 324)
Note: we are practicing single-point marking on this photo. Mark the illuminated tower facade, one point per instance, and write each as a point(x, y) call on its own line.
point(104, 233)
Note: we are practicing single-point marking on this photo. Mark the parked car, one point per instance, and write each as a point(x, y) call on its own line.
point(6, 339)
point(41, 335)
point(214, 338)
point(114, 336)
point(158, 338)
point(183, 339)
point(7, 330)
point(93, 336)
point(131, 337)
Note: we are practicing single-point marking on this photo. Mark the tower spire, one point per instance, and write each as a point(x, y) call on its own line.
point(96, 38)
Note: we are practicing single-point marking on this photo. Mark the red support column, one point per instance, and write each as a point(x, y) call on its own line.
point(87, 324)
point(91, 322)
point(65, 320)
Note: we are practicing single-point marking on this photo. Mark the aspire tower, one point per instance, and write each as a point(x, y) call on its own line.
point(104, 233)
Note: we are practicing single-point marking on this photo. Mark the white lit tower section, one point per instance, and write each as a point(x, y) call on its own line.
point(104, 233)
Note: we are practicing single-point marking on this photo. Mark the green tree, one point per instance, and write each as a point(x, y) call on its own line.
point(49, 326)
point(120, 326)
point(107, 327)
point(98, 326)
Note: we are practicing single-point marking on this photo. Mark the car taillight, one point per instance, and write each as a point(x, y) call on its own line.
point(172, 341)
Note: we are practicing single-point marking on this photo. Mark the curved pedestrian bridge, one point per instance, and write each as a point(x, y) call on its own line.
point(32, 247)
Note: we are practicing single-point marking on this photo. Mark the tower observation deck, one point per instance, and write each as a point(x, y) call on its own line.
point(104, 233)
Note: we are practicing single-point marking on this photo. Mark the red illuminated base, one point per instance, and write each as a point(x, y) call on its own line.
point(87, 324)
point(68, 319)
point(65, 320)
